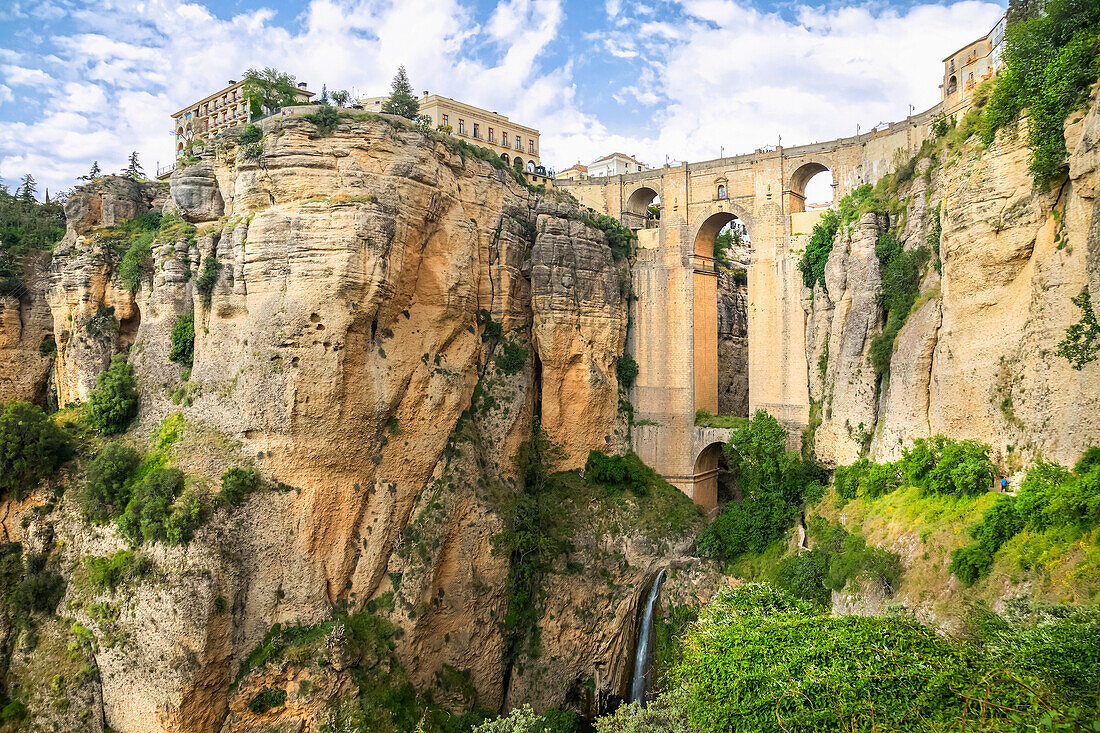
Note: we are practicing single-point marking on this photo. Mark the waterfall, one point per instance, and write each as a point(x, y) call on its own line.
point(645, 635)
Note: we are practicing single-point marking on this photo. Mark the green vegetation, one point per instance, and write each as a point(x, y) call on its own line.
point(251, 141)
point(512, 359)
point(820, 246)
point(401, 101)
point(237, 484)
point(1050, 62)
point(626, 371)
point(134, 239)
point(113, 404)
point(1082, 342)
point(900, 284)
point(620, 238)
point(107, 572)
point(204, 285)
point(268, 91)
point(705, 420)
point(940, 465)
point(618, 473)
point(25, 225)
point(726, 240)
point(761, 660)
point(525, 720)
point(1050, 498)
point(32, 447)
point(109, 477)
point(160, 510)
point(28, 585)
point(266, 699)
point(183, 340)
point(327, 119)
point(773, 483)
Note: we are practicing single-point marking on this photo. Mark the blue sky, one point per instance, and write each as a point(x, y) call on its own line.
point(93, 80)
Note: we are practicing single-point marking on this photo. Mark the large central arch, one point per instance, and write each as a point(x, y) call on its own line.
point(636, 214)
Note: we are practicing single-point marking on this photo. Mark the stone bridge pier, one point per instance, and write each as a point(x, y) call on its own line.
point(674, 336)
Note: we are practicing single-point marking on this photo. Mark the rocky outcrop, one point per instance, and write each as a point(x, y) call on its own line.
point(733, 343)
point(27, 343)
point(977, 357)
point(364, 296)
point(108, 201)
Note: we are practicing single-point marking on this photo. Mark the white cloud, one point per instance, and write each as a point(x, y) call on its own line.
point(702, 73)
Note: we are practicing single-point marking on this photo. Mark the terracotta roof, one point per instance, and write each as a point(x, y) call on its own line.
point(576, 167)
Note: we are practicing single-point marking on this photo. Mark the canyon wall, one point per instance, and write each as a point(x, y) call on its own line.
point(977, 357)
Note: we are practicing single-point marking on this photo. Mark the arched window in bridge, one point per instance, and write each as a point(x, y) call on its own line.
point(721, 190)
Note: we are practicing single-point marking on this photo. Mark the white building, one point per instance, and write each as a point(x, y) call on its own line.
point(615, 164)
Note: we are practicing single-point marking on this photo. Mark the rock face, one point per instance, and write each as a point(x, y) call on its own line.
point(733, 344)
point(977, 356)
point(365, 294)
point(27, 337)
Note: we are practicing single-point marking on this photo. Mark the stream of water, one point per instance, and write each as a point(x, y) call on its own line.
point(643, 656)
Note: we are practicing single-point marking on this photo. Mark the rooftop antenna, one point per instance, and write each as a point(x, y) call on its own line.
point(721, 151)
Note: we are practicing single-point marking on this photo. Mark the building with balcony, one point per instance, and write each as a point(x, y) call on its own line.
point(510, 140)
point(616, 164)
point(221, 110)
point(967, 68)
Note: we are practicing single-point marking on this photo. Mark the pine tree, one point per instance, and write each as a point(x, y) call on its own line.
point(28, 187)
point(133, 170)
point(93, 173)
point(401, 100)
point(324, 94)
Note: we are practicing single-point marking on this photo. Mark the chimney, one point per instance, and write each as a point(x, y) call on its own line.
point(232, 82)
point(301, 85)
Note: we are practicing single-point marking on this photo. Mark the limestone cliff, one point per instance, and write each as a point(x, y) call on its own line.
point(381, 320)
point(976, 358)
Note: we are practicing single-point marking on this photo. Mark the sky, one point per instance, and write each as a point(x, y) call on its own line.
point(84, 80)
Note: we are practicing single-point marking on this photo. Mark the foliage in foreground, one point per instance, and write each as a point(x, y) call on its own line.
point(761, 660)
point(31, 448)
point(114, 403)
point(25, 225)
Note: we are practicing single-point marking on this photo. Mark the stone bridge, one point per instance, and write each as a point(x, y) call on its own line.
point(674, 337)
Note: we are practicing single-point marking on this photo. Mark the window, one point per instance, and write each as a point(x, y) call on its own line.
point(476, 131)
point(518, 145)
point(504, 138)
point(444, 120)
point(491, 135)
point(721, 190)
point(461, 127)
point(531, 146)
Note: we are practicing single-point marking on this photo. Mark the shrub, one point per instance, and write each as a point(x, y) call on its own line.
point(900, 285)
point(31, 448)
point(327, 119)
point(822, 237)
point(40, 589)
point(803, 575)
point(114, 402)
point(238, 483)
point(251, 134)
point(185, 517)
point(940, 465)
point(1082, 342)
point(107, 572)
point(618, 473)
point(661, 715)
point(208, 277)
point(13, 712)
point(512, 358)
point(151, 505)
point(183, 339)
point(626, 369)
point(131, 268)
point(970, 562)
point(619, 238)
point(268, 698)
point(107, 489)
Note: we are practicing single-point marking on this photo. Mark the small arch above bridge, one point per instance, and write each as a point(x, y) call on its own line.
point(800, 179)
point(636, 213)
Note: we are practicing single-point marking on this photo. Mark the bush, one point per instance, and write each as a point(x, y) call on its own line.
point(900, 271)
point(131, 268)
point(40, 589)
point(618, 473)
point(208, 277)
point(822, 237)
point(940, 465)
point(151, 505)
point(251, 134)
point(107, 572)
point(512, 358)
point(1082, 342)
point(773, 483)
point(114, 403)
point(327, 119)
point(185, 517)
point(804, 575)
point(970, 562)
point(183, 339)
point(107, 489)
point(268, 698)
point(626, 369)
point(238, 483)
point(31, 448)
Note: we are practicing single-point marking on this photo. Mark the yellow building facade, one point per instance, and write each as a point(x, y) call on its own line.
point(967, 68)
point(223, 109)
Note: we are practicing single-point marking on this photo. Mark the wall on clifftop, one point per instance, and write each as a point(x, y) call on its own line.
point(977, 357)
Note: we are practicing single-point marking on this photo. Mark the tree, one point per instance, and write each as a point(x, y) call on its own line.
point(401, 100)
point(324, 94)
point(107, 490)
point(114, 403)
point(340, 97)
point(268, 90)
point(31, 448)
point(133, 168)
point(93, 173)
point(28, 188)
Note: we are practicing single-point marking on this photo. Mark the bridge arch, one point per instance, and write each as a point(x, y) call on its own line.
point(705, 475)
point(636, 214)
point(799, 180)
